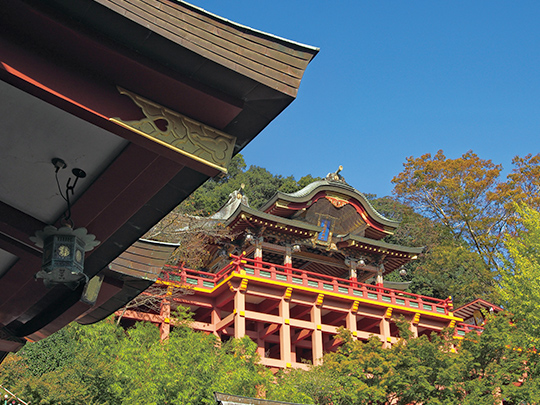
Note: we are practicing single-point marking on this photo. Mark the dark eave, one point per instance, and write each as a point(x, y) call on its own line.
point(257, 74)
point(377, 246)
point(245, 217)
point(134, 270)
point(395, 256)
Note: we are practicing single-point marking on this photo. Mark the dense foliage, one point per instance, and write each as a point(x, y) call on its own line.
point(521, 273)
point(468, 197)
point(422, 371)
point(448, 267)
point(470, 208)
point(102, 364)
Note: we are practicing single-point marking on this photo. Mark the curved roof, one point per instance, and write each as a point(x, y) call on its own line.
point(276, 62)
point(339, 187)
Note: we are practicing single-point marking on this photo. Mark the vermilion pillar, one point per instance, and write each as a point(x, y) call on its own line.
point(165, 313)
point(317, 340)
point(215, 318)
point(240, 315)
point(285, 332)
point(384, 326)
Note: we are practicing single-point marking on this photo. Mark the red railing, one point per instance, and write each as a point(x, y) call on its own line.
point(463, 328)
point(317, 281)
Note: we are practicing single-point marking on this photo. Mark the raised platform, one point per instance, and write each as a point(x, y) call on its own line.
point(293, 315)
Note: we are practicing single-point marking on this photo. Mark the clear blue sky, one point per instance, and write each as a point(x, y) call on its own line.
point(399, 78)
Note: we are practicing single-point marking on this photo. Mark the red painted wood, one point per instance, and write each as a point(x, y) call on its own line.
point(324, 283)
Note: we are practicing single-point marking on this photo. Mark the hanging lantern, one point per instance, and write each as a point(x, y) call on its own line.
point(63, 254)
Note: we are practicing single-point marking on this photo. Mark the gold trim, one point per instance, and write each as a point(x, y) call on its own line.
point(337, 295)
point(184, 135)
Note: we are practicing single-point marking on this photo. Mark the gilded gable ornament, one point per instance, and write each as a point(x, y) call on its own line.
point(336, 201)
point(180, 133)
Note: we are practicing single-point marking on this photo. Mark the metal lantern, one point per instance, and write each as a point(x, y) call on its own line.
point(63, 254)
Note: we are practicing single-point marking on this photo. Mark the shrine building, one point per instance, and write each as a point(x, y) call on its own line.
point(294, 272)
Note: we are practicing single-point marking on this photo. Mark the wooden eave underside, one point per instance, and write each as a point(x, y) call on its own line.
point(73, 55)
point(246, 217)
point(157, 44)
point(395, 256)
point(377, 246)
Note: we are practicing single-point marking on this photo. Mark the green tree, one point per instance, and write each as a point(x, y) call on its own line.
point(520, 280)
point(477, 370)
point(498, 365)
point(113, 366)
point(60, 370)
point(185, 369)
point(451, 269)
point(55, 352)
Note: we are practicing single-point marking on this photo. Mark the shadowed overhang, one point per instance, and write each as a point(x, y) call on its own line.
point(144, 108)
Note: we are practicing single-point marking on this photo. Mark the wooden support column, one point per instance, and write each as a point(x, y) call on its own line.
point(258, 255)
point(215, 318)
point(240, 314)
point(165, 314)
point(385, 328)
point(316, 338)
point(351, 320)
point(285, 331)
point(287, 261)
point(260, 341)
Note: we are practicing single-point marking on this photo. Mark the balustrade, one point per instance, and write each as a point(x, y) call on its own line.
point(463, 328)
point(316, 281)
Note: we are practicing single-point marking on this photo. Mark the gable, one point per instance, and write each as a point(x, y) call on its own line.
point(335, 217)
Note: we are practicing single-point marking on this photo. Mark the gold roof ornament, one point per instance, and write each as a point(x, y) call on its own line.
point(336, 176)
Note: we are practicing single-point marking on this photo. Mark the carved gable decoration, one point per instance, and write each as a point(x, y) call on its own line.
point(180, 133)
point(337, 217)
point(336, 201)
